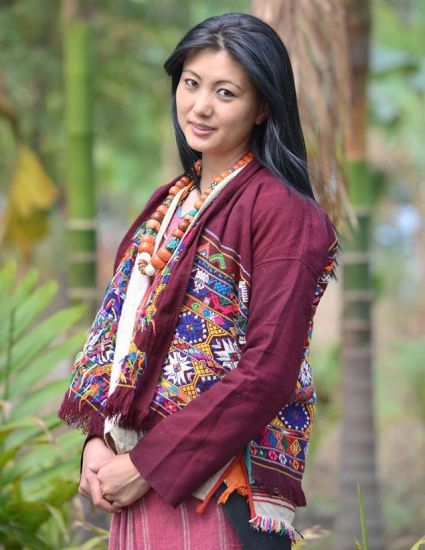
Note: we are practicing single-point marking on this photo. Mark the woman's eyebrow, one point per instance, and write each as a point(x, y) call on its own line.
point(222, 81)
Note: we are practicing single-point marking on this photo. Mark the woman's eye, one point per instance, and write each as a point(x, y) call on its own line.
point(190, 83)
point(225, 93)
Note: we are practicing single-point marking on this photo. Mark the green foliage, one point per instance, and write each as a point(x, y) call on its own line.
point(38, 462)
point(363, 525)
point(398, 76)
point(131, 41)
point(99, 540)
point(364, 545)
point(409, 357)
point(419, 544)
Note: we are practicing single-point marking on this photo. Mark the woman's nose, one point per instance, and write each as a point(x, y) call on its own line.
point(203, 105)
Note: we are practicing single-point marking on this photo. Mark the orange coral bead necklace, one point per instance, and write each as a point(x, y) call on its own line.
point(149, 261)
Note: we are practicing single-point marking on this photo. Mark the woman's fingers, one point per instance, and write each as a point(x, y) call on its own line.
point(84, 488)
point(98, 498)
point(96, 466)
point(96, 454)
point(128, 494)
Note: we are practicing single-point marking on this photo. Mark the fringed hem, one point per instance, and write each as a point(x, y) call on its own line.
point(120, 405)
point(269, 525)
point(83, 416)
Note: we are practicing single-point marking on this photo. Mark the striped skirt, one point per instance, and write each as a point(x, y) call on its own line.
point(151, 524)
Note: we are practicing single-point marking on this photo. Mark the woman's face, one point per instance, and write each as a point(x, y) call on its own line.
point(217, 106)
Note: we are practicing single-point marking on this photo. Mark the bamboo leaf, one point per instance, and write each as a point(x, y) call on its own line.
point(30, 514)
point(40, 462)
point(418, 544)
point(38, 339)
point(7, 279)
point(35, 304)
point(59, 521)
point(24, 287)
point(13, 294)
point(43, 396)
point(36, 486)
point(46, 362)
point(63, 491)
point(24, 311)
point(30, 421)
point(7, 455)
point(24, 435)
point(25, 538)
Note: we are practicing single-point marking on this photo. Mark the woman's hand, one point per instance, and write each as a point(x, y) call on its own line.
point(120, 481)
point(95, 451)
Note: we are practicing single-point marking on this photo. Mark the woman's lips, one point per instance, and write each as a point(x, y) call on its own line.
point(201, 130)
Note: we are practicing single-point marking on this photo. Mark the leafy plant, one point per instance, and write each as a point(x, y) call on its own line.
point(364, 545)
point(38, 459)
point(418, 544)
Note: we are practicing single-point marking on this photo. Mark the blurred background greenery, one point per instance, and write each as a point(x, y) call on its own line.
point(133, 153)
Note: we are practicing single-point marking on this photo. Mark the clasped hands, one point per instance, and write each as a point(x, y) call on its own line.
point(110, 481)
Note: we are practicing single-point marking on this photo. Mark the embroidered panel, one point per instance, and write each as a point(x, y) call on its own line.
point(282, 446)
point(210, 330)
point(206, 345)
point(92, 366)
point(96, 358)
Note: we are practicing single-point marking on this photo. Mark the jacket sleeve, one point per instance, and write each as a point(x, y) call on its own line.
point(183, 450)
point(289, 248)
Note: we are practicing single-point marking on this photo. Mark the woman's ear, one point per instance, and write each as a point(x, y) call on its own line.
point(262, 115)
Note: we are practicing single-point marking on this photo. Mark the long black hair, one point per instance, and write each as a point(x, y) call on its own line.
point(278, 142)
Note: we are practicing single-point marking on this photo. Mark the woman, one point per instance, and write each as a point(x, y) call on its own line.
point(194, 385)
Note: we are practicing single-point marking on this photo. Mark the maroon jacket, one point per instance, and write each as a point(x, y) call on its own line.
point(282, 241)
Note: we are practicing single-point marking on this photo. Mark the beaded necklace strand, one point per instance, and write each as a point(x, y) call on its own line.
point(149, 263)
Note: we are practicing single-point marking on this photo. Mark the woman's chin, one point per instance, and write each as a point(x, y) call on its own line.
point(200, 148)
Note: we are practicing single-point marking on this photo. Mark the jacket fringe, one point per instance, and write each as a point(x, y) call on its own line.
point(269, 525)
point(81, 415)
point(121, 404)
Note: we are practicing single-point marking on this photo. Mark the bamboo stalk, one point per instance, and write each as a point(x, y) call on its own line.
point(80, 182)
point(357, 466)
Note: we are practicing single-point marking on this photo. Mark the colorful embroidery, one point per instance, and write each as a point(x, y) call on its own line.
point(207, 343)
point(283, 444)
point(92, 366)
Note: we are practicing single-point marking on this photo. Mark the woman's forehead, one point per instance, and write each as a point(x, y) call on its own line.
point(212, 62)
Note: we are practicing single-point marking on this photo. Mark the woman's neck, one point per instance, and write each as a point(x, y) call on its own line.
point(215, 166)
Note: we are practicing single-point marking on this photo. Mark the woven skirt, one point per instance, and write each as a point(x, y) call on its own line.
point(151, 524)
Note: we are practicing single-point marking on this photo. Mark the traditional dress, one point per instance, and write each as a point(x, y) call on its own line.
point(217, 378)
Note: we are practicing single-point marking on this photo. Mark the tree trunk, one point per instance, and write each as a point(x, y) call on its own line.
point(299, 22)
point(80, 184)
point(358, 453)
